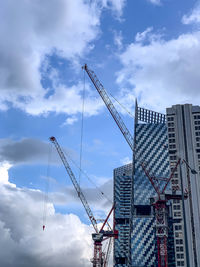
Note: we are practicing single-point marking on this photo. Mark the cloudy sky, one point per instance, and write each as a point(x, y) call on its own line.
point(149, 49)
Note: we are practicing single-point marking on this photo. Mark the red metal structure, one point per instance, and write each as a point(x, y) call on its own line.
point(160, 203)
point(99, 259)
point(161, 211)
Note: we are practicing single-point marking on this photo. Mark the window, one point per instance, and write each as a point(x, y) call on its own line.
point(178, 234)
point(172, 151)
point(195, 122)
point(170, 118)
point(172, 129)
point(172, 146)
point(197, 133)
point(170, 124)
point(174, 181)
point(172, 157)
point(179, 241)
point(180, 263)
point(177, 207)
point(172, 140)
point(171, 135)
point(196, 117)
point(179, 248)
point(178, 227)
point(180, 256)
point(197, 127)
point(198, 144)
point(177, 214)
point(176, 201)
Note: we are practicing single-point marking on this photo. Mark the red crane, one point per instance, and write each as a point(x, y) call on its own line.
point(161, 211)
point(161, 201)
point(99, 236)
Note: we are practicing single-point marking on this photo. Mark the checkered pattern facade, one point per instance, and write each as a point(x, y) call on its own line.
point(135, 221)
point(143, 242)
point(151, 149)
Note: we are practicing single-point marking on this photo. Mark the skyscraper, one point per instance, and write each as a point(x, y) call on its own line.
point(151, 148)
point(183, 122)
point(122, 197)
point(159, 143)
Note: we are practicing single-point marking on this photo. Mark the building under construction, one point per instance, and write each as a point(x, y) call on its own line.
point(156, 203)
point(157, 198)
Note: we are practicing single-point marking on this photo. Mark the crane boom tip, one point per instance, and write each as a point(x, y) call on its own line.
point(52, 138)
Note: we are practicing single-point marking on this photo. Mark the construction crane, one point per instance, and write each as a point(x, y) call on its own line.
point(161, 211)
point(160, 203)
point(99, 259)
point(104, 95)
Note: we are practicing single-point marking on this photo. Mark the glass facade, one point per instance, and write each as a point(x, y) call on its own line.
point(122, 198)
point(150, 149)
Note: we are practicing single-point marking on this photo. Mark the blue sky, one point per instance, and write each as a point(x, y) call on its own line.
point(147, 49)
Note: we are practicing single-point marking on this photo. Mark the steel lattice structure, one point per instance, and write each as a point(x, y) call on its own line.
point(161, 212)
point(99, 236)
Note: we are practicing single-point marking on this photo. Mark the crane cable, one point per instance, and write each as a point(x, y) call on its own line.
point(122, 106)
point(46, 193)
point(82, 120)
point(81, 142)
point(85, 174)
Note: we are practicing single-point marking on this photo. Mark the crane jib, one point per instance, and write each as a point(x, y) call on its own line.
point(102, 92)
point(75, 183)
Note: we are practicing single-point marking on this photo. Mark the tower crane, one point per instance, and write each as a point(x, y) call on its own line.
point(161, 201)
point(161, 212)
point(99, 236)
point(104, 95)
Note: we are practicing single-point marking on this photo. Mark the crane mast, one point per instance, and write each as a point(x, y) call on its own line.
point(104, 95)
point(161, 212)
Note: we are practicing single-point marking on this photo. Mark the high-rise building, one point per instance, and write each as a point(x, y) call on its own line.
point(122, 196)
point(183, 122)
point(159, 143)
point(151, 148)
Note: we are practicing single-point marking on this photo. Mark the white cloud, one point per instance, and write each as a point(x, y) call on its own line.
point(162, 73)
point(64, 100)
point(141, 36)
point(4, 167)
point(118, 39)
point(71, 120)
point(66, 241)
point(125, 161)
point(193, 17)
point(115, 5)
point(31, 30)
point(155, 2)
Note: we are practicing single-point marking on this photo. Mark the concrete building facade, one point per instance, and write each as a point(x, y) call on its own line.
point(183, 123)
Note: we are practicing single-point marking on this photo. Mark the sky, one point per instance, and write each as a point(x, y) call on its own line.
point(144, 49)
